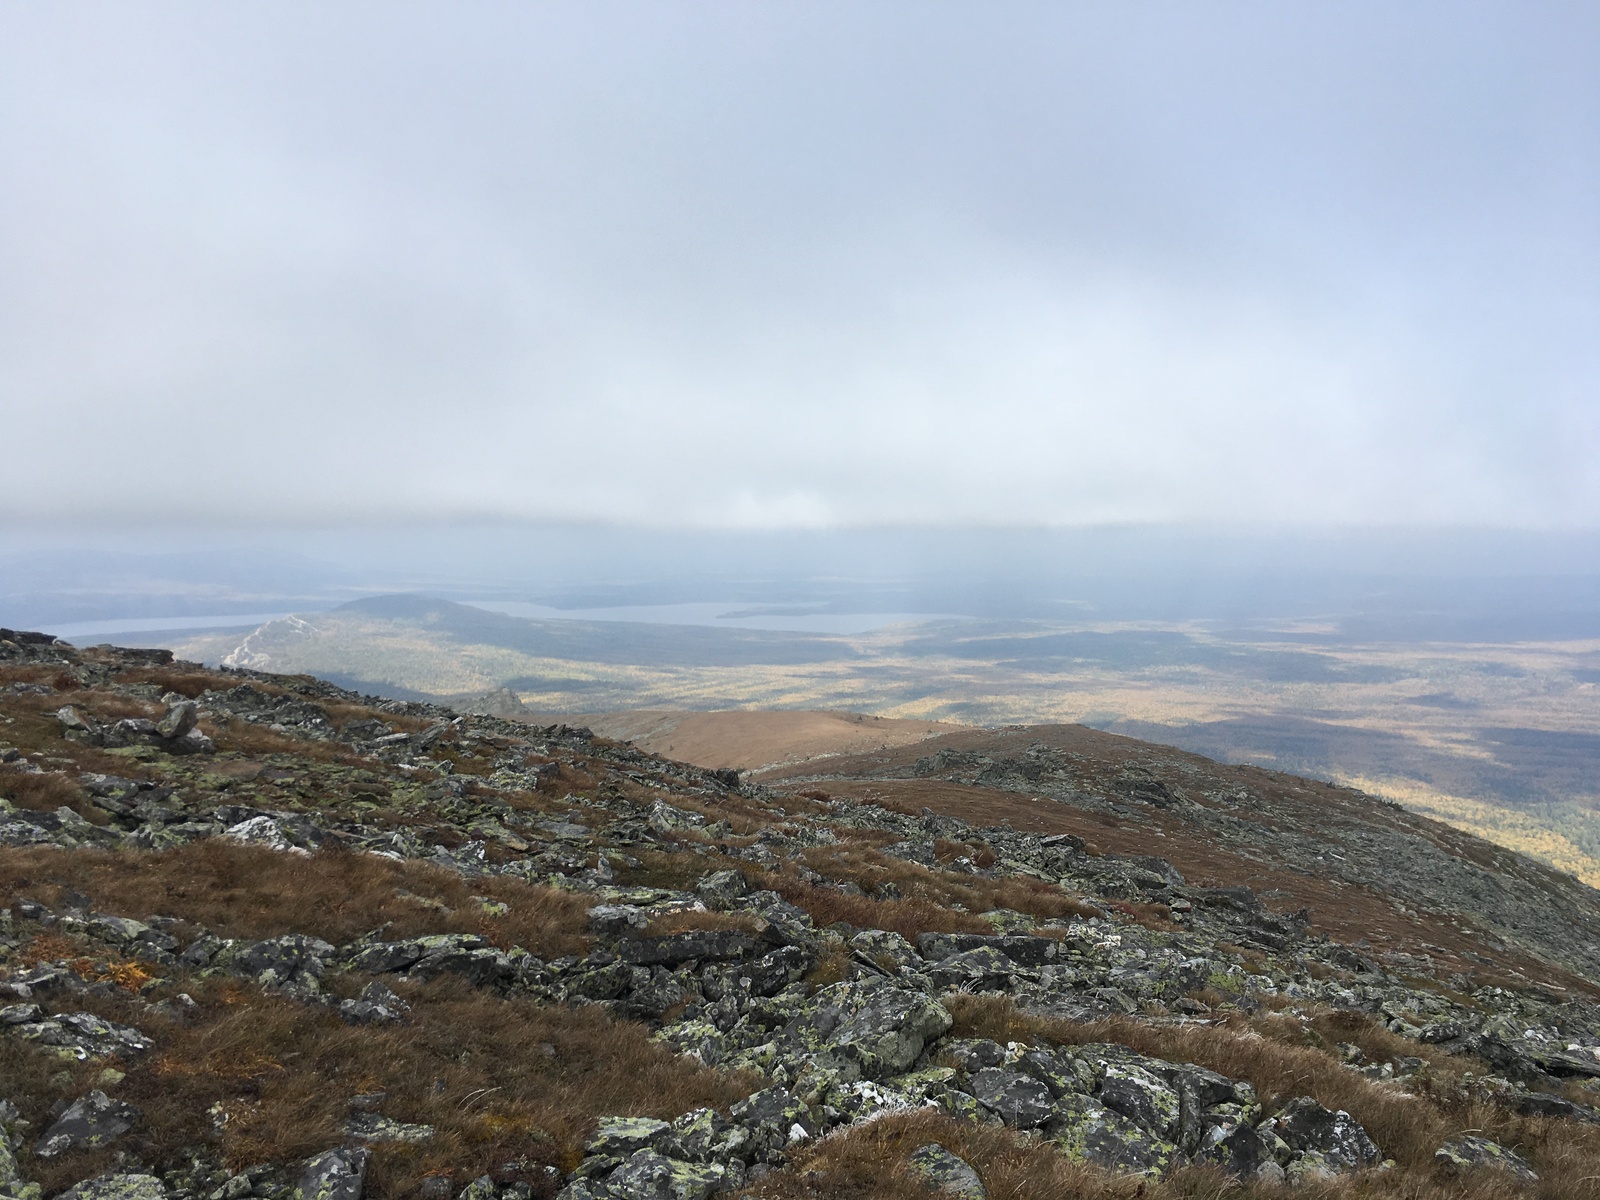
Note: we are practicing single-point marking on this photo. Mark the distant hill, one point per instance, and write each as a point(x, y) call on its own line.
point(1497, 738)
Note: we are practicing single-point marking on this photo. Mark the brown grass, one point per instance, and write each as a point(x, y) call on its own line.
point(47, 792)
point(249, 738)
point(1344, 912)
point(927, 894)
point(186, 679)
point(498, 1079)
point(250, 892)
point(1278, 1056)
point(870, 1161)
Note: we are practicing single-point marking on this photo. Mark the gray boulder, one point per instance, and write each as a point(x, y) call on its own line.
point(881, 1028)
point(696, 945)
point(946, 1172)
point(721, 889)
point(1467, 1153)
point(292, 959)
point(89, 1123)
point(334, 1175)
point(1019, 1100)
point(621, 1136)
point(376, 1005)
point(1308, 1127)
point(1141, 1096)
point(648, 1175)
point(1085, 1129)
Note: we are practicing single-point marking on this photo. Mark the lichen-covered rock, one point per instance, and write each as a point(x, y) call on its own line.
point(1083, 1128)
point(12, 1185)
point(1141, 1096)
point(1308, 1127)
point(695, 945)
point(370, 1128)
point(704, 1135)
point(294, 959)
point(334, 1175)
point(376, 1005)
point(774, 1117)
point(615, 920)
point(887, 950)
point(1468, 1152)
point(1019, 1100)
point(621, 1136)
point(881, 1028)
point(117, 1187)
point(648, 1175)
point(946, 1172)
point(89, 1123)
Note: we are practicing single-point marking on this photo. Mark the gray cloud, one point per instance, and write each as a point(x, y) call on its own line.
point(804, 264)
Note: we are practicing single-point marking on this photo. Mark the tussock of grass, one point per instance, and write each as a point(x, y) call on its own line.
point(249, 892)
point(499, 1080)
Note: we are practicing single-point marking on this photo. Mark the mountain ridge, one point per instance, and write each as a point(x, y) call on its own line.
point(269, 937)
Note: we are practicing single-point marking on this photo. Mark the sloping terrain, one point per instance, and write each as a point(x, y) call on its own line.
point(268, 937)
point(1496, 737)
point(750, 740)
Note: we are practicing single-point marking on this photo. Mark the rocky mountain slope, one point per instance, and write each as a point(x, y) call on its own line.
point(267, 937)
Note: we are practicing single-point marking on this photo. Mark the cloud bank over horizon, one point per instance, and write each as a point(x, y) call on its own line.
point(802, 266)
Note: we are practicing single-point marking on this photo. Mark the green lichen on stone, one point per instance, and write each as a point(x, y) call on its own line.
point(623, 1135)
point(1088, 1131)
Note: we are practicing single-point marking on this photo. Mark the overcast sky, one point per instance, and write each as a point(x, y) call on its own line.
point(801, 264)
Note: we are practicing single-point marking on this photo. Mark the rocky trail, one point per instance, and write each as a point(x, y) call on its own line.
point(264, 937)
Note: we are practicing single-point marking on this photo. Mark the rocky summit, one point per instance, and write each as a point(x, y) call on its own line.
point(265, 937)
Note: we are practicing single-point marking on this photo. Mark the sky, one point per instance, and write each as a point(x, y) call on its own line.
point(801, 265)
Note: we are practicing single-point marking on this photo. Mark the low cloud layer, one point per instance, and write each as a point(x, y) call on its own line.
point(801, 265)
